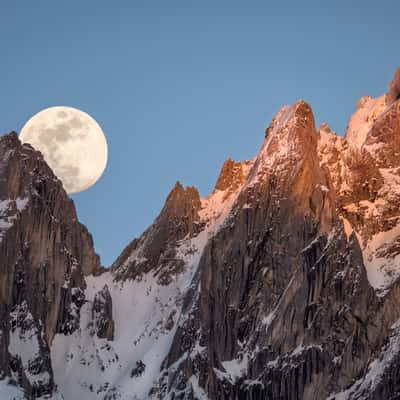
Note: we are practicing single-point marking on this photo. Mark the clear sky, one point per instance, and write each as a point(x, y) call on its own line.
point(178, 86)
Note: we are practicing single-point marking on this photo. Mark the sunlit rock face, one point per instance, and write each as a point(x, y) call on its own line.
point(279, 274)
point(364, 169)
point(283, 283)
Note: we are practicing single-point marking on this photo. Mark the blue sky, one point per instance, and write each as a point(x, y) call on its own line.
point(179, 86)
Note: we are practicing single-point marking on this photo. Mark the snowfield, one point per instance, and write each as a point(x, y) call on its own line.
point(146, 316)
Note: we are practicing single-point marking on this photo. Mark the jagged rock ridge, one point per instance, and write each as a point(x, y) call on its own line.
point(283, 283)
point(45, 254)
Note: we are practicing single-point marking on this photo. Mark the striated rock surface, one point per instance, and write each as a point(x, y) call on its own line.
point(102, 314)
point(394, 88)
point(282, 284)
point(157, 246)
point(45, 254)
point(284, 297)
point(232, 176)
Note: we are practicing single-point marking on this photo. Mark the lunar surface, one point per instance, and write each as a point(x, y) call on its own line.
point(72, 143)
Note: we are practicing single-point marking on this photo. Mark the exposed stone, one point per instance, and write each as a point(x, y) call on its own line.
point(232, 175)
point(178, 218)
point(275, 279)
point(394, 88)
point(138, 370)
point(279, 302)
point(102, 314)
point(45, 255)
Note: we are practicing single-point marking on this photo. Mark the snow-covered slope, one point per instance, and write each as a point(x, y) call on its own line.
point(368, 110)
point(10, 392)
point(283, 283)
point(388, 358)
point(364, 170)
point(146, 313)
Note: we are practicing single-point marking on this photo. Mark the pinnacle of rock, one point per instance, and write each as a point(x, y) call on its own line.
point(394, 88)
point(231, 176)
point(283, 283)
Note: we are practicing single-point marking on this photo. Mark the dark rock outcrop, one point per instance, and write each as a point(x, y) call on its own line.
point(283, 290)
point(178, 218)
point(45, 254)
point(283, 284)
point(394, 88)
point(102, 314)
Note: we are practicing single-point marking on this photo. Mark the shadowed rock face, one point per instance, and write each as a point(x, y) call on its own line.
point(179, 218)
point(283, 290)
point(283, 284)
point(45, 254)
point(102, 314)
point(394, 88)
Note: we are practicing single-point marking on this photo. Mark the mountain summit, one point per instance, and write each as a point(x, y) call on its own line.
point(282, 284)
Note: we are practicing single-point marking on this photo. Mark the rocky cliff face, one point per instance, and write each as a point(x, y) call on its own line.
point(45, 254)
point(283, 298)
point(283, 283)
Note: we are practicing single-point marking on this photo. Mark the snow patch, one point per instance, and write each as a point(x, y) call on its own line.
point(348, 229)
point(198, 392)
point(146, 315)
point(381, 257)
point(363, 119)
point(237, 367)
point(273, 154)
point(10, 392)
point(24, 343)
point(9, 212)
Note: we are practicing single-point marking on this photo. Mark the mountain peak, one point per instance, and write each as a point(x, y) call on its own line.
point(155, 248)
point(180, 196)
point(266, 288)
point(178, 186)
point(291, 139)
point(369, 110)
point(232, 175)
point(394, 88)
point(324, 127)
point(289, 115)
point(10, 136)
point(45, 255)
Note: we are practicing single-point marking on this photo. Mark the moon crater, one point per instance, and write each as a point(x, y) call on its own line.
point(72, 143)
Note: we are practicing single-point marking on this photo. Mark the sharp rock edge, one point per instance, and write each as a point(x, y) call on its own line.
point(283, 283)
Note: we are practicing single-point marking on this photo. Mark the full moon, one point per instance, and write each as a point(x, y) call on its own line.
point(72, 144)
